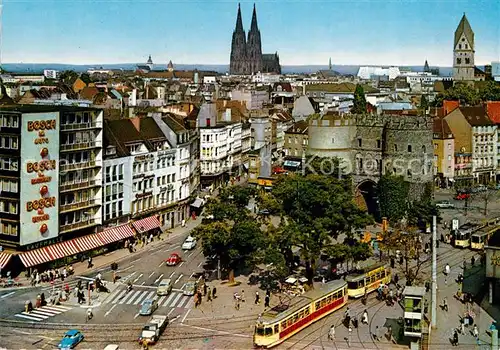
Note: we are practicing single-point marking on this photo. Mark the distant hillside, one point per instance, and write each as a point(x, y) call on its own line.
point(221, 68)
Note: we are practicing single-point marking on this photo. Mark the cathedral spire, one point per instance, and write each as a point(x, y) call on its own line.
point(254, 26)
point(239, 22)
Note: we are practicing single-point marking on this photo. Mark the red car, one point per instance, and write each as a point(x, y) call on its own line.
point(461, 195)
point(173, 259)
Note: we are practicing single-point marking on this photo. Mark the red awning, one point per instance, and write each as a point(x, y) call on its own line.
point(117, 233)
point(4, 259)
point(35, 257)
point(146, 224)
point(88, 242)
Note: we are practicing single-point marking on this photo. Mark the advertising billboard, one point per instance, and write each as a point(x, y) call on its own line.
point(39, 177)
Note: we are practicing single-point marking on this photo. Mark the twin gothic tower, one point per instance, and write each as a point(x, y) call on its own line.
point(246, 54)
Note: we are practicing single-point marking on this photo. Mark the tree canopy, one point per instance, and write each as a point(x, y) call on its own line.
point(359, 103)
point(393, 195)
point(470, 95)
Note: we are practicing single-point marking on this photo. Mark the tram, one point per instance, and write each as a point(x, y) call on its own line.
point(480, 238)
point(367, 281)
point(282, 322)
point(461, 237)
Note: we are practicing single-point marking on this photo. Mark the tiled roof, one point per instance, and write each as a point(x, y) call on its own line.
point(464, 28)
point(88, 93)
point(450, 106)
point(476, 116)
point(284, 87)
point(174, 124)
point(441, 129)
point(339, 88)
point(493, 110)
point(299, 127)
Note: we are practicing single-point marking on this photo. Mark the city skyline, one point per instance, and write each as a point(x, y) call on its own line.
point(303, 34)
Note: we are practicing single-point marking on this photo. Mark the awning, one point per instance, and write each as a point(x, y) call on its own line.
point(4, 259)
point(88, 242)
point(35, 257)
point(117, 233)
point(63, 249)
point(197, 203)
point(146, 224)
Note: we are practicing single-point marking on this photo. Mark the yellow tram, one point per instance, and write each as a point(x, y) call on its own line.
point(368, 281)
point(282, 322)
point(479, 238)
point(461, 237)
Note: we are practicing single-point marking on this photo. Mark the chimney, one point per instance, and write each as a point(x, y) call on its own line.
point(136, 121)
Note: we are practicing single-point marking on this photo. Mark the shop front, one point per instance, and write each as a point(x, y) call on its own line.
point(147, 226)
point(77, 249)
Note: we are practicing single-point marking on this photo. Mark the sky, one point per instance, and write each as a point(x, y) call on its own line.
point(306, 32)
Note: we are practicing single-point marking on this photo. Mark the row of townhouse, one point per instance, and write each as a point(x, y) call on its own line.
point(72, 183)
point(466, 144)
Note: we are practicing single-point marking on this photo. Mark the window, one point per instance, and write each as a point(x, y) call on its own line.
point(409, 148)
point(467, 60)
point(423, 149)
point(379, 144)
point(333, 140)
point(408, 172)
point(459, 60)
point(395, 147)
point(8, 142)
point(9, 164)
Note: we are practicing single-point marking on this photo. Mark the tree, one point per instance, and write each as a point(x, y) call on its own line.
point(487, 197)
point(237, 195)
point(234, 246)
point(85, 77)
point(359, 103)
point(424, 104)
point(409, 244)
point(68, 77)
point(317, 208)
point(420, 212)
point(393, 195)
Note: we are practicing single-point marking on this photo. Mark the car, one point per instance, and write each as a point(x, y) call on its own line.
point(190, 288)
point(148, 307)
point(264, 212)
point(461, 195)
point(165, 287)
point(189, 243)
point(173, 259)
point(445, 205)
point(71, 339)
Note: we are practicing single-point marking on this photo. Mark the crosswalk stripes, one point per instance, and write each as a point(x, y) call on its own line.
point(137, 297)
point(43, 312)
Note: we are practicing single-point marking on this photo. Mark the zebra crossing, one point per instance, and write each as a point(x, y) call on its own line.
point(43, 312)
point(136, 297)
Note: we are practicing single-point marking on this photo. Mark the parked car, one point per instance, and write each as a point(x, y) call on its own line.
point(165, 287)
point(71, 339)
point(148, 307)
point(173, 259)
point(445, 205)
point(189, 243)
point(479, 188)
point(190, 288)
point(461, 195)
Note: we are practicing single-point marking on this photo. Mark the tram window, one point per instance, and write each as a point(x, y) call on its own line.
point(276, 328)
point(269, 331)
point(306, 312)
point(318, 305)
point(353, 285)
point(260, 330)
point(295, 318)
point(283, 325)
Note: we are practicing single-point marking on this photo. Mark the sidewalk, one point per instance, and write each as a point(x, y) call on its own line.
point(96, 298)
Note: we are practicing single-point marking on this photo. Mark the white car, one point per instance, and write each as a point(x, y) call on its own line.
point(189, 243)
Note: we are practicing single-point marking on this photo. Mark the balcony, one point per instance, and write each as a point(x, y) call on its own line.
point(77, 166)
point(77, 225)
point(80, 126)
point(70, 186)
point(76, 206)
point(80, 146)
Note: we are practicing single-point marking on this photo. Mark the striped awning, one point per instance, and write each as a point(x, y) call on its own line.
point(35, 257)
point(146, 224)
point(4, 259)
point(88, 242)
point(117, 233)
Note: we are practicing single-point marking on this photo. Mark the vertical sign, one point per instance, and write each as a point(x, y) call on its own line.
point(39, 177)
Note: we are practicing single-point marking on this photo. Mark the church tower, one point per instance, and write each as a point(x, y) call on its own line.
point(238, 59)
point(463, 52)
point(254, 46)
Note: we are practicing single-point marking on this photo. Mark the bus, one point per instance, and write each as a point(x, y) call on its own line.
point(480, 238)
point(367, 281)
point(284, 321)
point(461, 237)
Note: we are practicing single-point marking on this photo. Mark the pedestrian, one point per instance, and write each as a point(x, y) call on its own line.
point(475, 332)
point(347, 317)
point(331, 333)
point(464, 264)
point(472, 260)
point(266, 301)
point(455, 338)
point(209, 295)
point(242, 296)
point(89, 262)
point(214, 291)
point(257, 298)
point(375, 334)
point(349, 337)
point(445, 304)
point(364, 318)
point(205, 289)
point(151, 237)
point(199, 297)
point(447, 270)
point(237, 304)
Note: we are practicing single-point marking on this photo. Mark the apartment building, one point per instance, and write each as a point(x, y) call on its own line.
point(296, 139)
point(476, 134)
point(444, 154)
point(51, 173)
